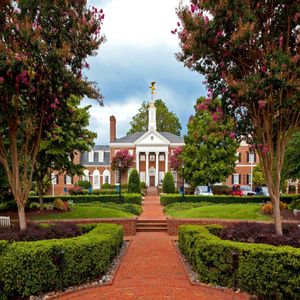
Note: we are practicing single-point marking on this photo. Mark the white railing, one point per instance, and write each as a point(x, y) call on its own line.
point(4, 221)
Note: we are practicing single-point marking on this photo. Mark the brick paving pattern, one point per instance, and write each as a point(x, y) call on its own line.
point(152, 270)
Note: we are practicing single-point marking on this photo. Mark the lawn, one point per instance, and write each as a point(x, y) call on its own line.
point(86, 211)
point(246, 211)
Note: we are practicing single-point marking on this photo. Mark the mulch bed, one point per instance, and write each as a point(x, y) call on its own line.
point(262, 234)
point(35, 232)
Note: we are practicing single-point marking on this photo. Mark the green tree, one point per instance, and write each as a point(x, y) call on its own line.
point(44, 45)
point(210, 147)
point(165, 120)
point(258, 176)
point(57, 151)
point(134, 184)
point(250, 58)
point(168, 184)
point(291, 165)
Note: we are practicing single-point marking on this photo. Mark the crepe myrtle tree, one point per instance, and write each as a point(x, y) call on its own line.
point(44, 45)
point(122, 161)
point(250, 57)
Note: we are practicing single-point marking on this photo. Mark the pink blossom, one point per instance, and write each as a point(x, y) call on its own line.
point(261, 103)
point(193, 8)
point(223, 75)
point(265, 149)
point(87, 65)
point(207, 100)
point(219, 34)
point(84, 20)
point(214, 117)
point(56, 101)
point(259, 145)
point(174, 31)
point(1, 80)
point(52, 106)
point(178, 24)
point(210, 89)
point(263, 69)
point(232, 135)
point(17, 27)
point(281, 41)
point(219, 110)
point(206, 20)
point(201, 106)
point(222, 64)
point(223, 90)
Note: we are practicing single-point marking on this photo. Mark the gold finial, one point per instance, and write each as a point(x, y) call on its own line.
point(153, 89)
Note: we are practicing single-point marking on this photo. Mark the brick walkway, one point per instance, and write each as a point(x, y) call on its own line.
point(151, 270)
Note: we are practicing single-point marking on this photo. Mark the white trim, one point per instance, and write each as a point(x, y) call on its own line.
point(157, 134)
point(249, 165)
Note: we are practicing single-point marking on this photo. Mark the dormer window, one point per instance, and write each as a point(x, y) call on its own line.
point(101, 156)
point(91, 156)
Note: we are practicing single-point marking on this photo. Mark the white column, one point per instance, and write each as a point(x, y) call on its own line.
point(156, 168)
point(147, 168)
point(137, 161)
point(166, 162)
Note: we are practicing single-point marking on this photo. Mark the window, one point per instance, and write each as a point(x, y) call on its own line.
point(130, 152)
point(91, 156)
point(161, 157)
point(101, 156)
point(54, 179)
point(152, 157)
point(117, 179)
point(235, 179)
point(251, 158)
point(142, 177)
point(68, 179)
point(249, 179)
point(174, 174)
point(96, 179)
point(106, 176)
point(106, 179)
point(86, 175)
point(239, 156)
point(161, 176)
point(143, 157)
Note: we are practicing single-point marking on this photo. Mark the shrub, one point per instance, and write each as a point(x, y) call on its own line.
point(267, 208)
point(168, 184)
point(89, 254)
point(60, 205)
point(126, 198)
point(126, 207)
point(32, 193)
point(85, 184)
point(134, 184)
point(295, 204)
point(76, 190)
point(266, 271)
point(34, 205)
point(220, 189)
point(168, 199)
point(106, 186)
point(143, 185)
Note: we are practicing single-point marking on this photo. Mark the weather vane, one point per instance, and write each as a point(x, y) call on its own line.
point(153, 89)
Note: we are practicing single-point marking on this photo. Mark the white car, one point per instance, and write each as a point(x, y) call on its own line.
point(203, 190)
point(247, 191)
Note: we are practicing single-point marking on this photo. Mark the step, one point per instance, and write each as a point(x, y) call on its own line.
point(151, 229)
point(152, 221)
point(151, 224)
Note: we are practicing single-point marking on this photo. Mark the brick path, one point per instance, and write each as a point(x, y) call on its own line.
point(152, 270)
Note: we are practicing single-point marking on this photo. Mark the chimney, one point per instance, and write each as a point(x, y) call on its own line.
point(112, 131)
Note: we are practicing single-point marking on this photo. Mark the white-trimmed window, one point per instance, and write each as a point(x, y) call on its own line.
point(143, 157)
point(238, 156)
point(130, 152)
point(174, 174)
point(91, 156)
point(142, 176)
point(101, 156)
point(86, 175)
point(106, 176)
point(68, 179)
point(236, 179)
point(116, 150)
point(54, 179)
point(249, 179)
point(152, 157)
point(161, 157)
point(251, 158)
point(117, 178)
point(161, 176)
point(96, 180)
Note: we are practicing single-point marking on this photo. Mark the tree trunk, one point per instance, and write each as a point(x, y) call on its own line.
point(40, 191)
point(275, 198)
point(22, 219)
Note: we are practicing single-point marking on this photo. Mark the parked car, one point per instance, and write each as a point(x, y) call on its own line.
point(203, 190)
point(242, 190)
point(262, 191)
point(247, 191)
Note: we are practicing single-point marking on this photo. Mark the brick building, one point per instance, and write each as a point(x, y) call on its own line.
point(151, 151)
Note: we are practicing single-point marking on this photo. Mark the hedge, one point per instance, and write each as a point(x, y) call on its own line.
point(125, 198)
point(263, 270)
point(32, 268)
point(166, 199)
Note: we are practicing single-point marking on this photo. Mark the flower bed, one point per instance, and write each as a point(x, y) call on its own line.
point(31, 268)
point(260, 269)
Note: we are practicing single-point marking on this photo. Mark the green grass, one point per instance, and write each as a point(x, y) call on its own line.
point(85, 211)
point(246, 211)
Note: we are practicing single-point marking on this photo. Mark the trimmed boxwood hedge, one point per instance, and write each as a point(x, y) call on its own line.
point(267, 271)
point(172, 198)
point(125, 198)
point(32, 268)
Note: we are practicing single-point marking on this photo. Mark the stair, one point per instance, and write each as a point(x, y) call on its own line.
point(152, 191)
point(151, 225)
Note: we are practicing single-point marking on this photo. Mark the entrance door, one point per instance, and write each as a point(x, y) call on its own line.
point(152, 180)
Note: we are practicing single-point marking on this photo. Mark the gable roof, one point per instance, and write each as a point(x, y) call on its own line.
point(84, 160)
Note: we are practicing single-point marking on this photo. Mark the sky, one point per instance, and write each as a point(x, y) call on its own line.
point(139, 49)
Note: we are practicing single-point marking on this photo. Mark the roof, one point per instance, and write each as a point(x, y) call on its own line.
point(172, 138)
point(84, 160)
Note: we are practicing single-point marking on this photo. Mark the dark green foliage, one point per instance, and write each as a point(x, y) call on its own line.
point(127, 207)
point(168, 199)
point(168, 183)
point(106, 186)
point(134, 184)
point(31, 268)
point(143, 185)
point(128, 198)
point(267, 271)
point(295, 204)
point(84, 184)
point(220, 189)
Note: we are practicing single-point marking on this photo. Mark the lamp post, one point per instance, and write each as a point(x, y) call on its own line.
point(119, 167)
point(182, 165)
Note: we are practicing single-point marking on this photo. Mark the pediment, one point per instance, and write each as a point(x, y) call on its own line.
point(152, 137)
